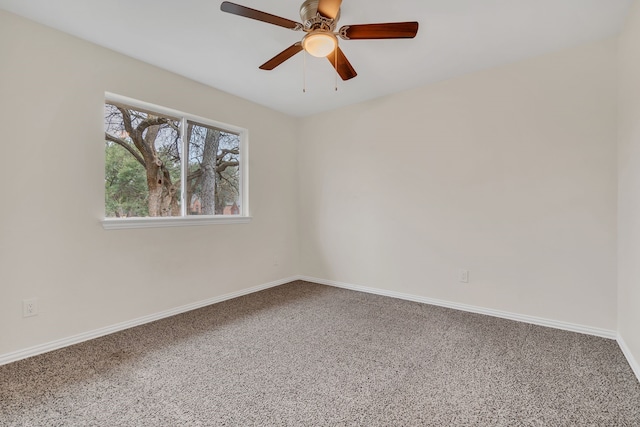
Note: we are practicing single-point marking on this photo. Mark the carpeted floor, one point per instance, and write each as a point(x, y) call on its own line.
point(309, 355)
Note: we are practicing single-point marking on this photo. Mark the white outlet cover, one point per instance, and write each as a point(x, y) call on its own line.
point(29, 307)
point(463, 275)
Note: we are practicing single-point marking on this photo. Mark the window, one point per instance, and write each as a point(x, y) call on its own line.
point(164, 167)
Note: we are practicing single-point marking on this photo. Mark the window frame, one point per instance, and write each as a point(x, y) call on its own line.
point(184, 219)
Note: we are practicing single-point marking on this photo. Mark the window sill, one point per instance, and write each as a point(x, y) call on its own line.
point(159, 222)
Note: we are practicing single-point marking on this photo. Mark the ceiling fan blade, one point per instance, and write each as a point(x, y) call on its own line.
point(247, 12)
point(391, 30)
point(282, 56)
point(329, 8)
point(343, 67)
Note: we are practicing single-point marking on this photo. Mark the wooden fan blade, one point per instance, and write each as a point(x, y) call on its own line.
point(391, 30)
point(282, 56)
point(329, 8)
point(343, 67)
point(247, 12)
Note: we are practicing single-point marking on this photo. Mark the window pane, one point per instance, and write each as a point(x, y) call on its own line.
point(213, 182)
point(142, 163)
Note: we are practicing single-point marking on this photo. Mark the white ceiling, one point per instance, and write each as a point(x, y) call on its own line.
point(195, 39)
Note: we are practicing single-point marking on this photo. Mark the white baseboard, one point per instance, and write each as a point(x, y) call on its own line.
point(75, 339)
point(589, 330)
point(85, 336)
point(635, 366)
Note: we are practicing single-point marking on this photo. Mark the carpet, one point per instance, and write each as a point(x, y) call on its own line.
point(303, 354)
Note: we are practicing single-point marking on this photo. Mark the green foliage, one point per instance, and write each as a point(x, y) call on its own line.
point(126, 190)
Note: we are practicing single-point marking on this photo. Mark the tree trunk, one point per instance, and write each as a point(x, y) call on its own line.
point(155, 178)
point(154, 182)
point(208, 166)
point(163, 199)
point(163, 194)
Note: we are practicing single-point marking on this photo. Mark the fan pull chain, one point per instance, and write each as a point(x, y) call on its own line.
point(304, 71)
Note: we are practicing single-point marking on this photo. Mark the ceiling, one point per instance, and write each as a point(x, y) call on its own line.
point(195, 39)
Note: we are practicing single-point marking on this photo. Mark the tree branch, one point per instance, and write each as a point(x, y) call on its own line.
point(173, 126)
point(126, 120)
point(127, 147)
point(225, 151)
point(151, 121)
point(147, 148)
point(221, 167)
point(234, 185)
point(194, 175)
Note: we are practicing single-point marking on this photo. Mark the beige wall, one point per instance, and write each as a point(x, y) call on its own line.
point(629, 187)
point(510, 173)
point(52, 245)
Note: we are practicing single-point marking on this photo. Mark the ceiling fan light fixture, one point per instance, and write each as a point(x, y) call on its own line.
point(320, 18)
point(319, 43)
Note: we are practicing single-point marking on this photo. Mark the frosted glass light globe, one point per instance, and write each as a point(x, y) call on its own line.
point(320, 43)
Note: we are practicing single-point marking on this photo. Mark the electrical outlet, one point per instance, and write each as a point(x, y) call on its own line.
point(29, 307)
point(463, 275)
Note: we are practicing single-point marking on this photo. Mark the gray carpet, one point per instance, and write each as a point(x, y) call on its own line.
point(309, 355)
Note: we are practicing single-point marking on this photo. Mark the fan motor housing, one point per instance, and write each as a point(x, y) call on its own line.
point(312, 20)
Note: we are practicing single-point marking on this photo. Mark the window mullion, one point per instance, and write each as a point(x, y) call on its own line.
point(184, 168)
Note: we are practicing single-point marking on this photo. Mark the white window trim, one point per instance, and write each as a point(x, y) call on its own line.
point(172, 221)
point(187, 220)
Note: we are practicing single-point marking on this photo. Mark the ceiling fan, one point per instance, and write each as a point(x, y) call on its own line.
point(319, 21)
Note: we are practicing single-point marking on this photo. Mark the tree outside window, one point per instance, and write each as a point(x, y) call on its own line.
point(153, 168)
